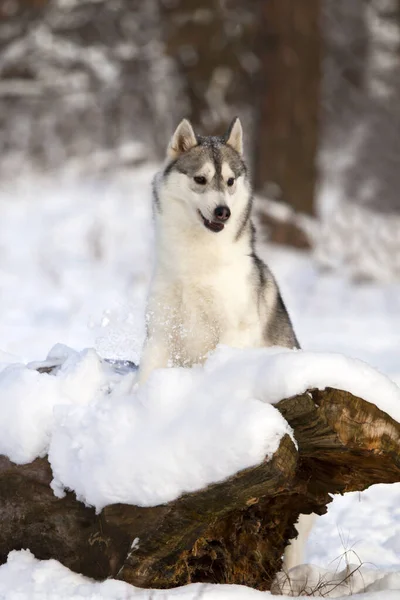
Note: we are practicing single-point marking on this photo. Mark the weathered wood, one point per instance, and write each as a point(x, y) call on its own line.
point(231, 532)
point(159, 557)
point(347, 443)
point(32, 517)
point(100, 546)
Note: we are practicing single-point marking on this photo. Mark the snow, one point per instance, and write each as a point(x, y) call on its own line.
point(74, 267)
point(111, 441)
point(371, 251)
point(182, 419)
point(23, 577)
point(83, 258)
point(363, 526)
point(28, 400)
point(148, 447)
point(268, 369)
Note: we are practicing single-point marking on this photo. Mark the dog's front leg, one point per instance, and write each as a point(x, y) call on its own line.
point(295, 551)
point(155, 356)
point(245, 335)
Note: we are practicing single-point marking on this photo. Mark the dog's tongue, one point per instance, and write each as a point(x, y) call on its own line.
point(213, 226)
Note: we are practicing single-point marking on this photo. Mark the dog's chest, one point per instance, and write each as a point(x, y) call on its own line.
point(204, 308)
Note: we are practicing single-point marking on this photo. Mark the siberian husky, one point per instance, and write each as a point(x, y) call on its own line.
point(209, 286)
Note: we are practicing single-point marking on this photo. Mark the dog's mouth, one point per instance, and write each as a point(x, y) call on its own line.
point(211, 225)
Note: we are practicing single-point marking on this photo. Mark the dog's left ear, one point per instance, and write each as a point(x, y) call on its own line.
point(234, 135)
point(183, 139)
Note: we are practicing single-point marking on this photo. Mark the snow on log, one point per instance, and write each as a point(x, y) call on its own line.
point(233, 472)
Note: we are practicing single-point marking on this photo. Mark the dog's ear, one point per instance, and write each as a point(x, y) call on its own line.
point(183, 139)
point(234, 135)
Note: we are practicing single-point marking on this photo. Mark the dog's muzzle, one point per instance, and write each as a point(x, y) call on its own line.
point(217, 225)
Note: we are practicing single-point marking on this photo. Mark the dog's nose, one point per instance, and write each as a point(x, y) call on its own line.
point(222, 213)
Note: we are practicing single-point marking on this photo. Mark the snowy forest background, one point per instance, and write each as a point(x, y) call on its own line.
point(91, 90)
point(91, 85)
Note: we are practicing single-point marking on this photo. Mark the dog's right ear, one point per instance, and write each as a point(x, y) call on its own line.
point(234, 135)
point(183, 139)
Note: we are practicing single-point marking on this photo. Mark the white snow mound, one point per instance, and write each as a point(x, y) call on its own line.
point(24, 577)
point(110, 441)
point(28, 399)
point(185, 429)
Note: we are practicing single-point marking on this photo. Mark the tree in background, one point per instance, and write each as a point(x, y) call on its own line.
point(81, 81)
point(289, 100)
point(262, 61)
point(213, 44)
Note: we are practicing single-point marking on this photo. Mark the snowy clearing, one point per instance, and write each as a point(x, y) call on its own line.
point(80, 278)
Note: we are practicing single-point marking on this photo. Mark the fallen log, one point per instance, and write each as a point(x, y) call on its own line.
point(231, 532)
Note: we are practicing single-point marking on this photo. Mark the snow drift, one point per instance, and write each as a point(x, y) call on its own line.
point(110, 441)
point(24, 577)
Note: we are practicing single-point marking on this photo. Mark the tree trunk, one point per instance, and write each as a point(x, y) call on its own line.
point(286, 141)
point(231, 532)
point(212, 44)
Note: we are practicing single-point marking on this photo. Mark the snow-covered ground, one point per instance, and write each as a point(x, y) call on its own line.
point(74, 266)
point(25, 578)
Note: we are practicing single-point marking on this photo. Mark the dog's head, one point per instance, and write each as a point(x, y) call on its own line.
point(207, 176)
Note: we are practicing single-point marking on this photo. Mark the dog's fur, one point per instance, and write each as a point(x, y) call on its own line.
point(209, 287)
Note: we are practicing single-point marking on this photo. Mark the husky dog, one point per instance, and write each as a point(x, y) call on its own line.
point(209, 286)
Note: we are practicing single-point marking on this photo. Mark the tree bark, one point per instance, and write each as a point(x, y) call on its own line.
point(234, 531)
point(286, 142)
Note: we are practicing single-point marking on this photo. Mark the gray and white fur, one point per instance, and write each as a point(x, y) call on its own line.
point(209, 286)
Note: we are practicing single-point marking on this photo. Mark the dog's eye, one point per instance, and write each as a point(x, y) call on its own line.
point(230, 182)
point(200, 179)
